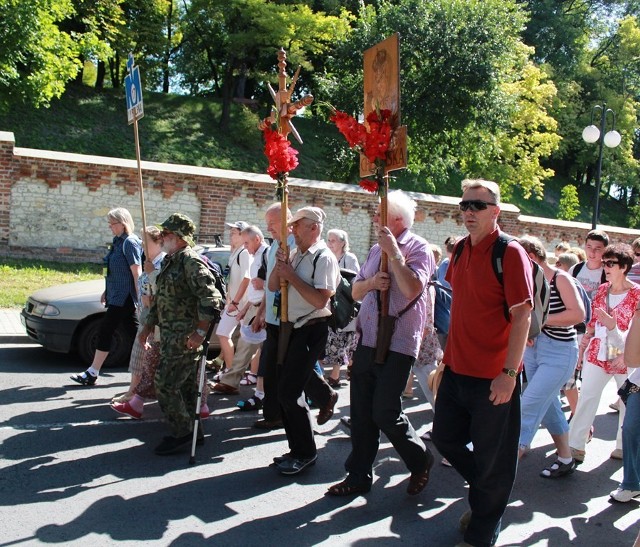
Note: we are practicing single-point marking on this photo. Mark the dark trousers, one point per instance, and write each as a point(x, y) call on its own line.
point(294, 375)
point(316, 387)
point(376, 405)
point(464, 414)
point(269, 371)
point(115, 315)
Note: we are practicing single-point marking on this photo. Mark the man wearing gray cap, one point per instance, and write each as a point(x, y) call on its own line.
point(311, 273)
point(238, 279)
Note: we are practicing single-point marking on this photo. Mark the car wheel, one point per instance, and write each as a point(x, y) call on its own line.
point(120, 345)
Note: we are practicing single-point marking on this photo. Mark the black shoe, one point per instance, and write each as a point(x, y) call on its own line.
point(86, 378)
point(268, 424)
point(293, 466)
point(170, 445)
point(281, 459)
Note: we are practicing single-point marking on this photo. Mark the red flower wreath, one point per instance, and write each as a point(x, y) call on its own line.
point(281, 155)
point(373, 143)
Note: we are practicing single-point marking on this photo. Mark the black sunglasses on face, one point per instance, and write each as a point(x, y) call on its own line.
point(610, 263)
point(474, 205)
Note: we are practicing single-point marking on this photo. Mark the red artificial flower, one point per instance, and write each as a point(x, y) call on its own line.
point(282, 157)
point(369, 185)
point(353, 131)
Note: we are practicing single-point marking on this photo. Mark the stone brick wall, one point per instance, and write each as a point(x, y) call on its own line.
point(53, 205)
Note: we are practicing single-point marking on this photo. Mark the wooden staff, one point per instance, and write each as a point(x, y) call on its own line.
point(140, 186)
point(384, 259)
point(284, 129)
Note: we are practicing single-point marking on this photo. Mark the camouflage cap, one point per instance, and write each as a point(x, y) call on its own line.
point(181, 225)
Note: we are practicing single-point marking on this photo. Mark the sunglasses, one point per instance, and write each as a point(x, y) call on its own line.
point(474, 205)
point(610, 263)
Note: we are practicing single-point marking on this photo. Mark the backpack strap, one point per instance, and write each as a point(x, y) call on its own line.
point(315, 261)
point(580, 265)
point(497, 255)
point(457, 251)
point(577, 268)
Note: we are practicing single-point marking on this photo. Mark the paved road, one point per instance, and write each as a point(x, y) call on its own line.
point(72, 472)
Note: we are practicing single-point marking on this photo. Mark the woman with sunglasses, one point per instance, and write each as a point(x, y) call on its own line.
point(613, 306)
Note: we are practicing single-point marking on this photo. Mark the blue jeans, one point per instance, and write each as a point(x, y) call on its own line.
point(549, 364)
point(631, 444)
point(465, 414)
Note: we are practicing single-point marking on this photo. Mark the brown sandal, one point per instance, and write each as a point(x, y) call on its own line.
point(345, 489)
point(418, 481)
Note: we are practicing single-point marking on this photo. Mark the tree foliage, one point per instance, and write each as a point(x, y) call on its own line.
point(569, 206)
point(494, 88)
point(37, 59)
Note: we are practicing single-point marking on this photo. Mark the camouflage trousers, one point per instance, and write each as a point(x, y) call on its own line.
point(177, 385)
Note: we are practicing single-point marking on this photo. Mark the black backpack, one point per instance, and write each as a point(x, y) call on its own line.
point(216, 271)
point(541, 288)
point(344, 308)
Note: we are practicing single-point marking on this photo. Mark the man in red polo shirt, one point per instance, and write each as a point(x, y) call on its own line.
point(479, 397)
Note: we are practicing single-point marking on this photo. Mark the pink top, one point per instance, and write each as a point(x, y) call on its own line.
point(624, 311)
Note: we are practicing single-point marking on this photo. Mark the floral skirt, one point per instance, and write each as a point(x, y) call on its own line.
point(340, 347)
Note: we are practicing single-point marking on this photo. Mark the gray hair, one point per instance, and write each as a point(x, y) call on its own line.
point(401, 205)
point(489, 185)
point(253, 231)
point(342, 236)
point(277, 208)
point(122, 215)
point(567, 259)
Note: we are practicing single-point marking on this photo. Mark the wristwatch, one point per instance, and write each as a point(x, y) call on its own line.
point(397, 256)
point(201, 332)
point(513, 373)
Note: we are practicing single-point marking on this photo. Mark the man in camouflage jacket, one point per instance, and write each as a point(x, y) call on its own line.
point(186, 302)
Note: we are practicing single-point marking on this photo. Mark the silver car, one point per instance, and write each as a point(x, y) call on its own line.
point(66, 318)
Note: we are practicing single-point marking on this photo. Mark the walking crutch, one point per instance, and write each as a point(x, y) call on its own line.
point(203, 363)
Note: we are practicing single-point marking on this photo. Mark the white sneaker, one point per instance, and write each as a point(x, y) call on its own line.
point(624, 496)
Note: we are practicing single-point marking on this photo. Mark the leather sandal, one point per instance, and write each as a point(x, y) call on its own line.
point(418, 481)
point(345, 489)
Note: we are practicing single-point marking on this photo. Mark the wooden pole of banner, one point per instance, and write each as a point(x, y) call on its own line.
point(384, 259)
point(140, 186)
point(283, 128)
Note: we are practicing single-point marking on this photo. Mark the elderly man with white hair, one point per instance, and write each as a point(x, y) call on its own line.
point(378, 378)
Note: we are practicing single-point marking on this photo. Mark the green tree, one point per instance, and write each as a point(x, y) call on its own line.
point(230, 45)
point(473, 102)
point(36, 57)
point(569, 207)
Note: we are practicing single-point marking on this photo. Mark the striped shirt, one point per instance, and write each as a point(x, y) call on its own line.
point(556, 305)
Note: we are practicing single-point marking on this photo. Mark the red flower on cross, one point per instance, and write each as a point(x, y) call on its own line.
point(372, 141)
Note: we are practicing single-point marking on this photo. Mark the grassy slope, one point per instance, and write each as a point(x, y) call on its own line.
point(179, 129)
point(21, 277)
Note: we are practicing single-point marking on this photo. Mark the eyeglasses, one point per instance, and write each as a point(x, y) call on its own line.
point(474, 205)
point(610, 263)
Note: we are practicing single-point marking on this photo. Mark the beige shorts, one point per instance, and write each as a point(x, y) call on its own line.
point(227, 325)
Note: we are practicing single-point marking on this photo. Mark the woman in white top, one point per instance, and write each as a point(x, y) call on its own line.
point(341, 343)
